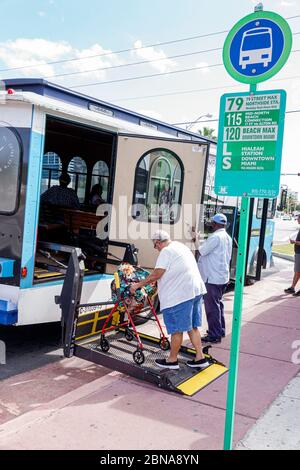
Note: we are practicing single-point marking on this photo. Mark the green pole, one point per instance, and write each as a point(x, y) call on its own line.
point(237, 318)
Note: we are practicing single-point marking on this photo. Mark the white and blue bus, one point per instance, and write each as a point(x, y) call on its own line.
point(46, 130)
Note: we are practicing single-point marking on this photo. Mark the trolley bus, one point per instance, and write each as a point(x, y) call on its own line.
point(47, 130)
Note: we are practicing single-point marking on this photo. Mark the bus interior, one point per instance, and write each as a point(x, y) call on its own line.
point(87, 155)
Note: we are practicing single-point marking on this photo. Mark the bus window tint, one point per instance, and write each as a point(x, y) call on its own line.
point(77, 170)
point(100, 175)
point(10, 157)
point(158, 186)
point(51, 171)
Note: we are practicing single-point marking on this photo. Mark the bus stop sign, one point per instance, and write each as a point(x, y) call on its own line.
point(257, 47)
point(249, 147)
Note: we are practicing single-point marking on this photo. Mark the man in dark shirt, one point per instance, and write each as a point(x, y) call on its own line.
point(61, 195)
point(296, 243)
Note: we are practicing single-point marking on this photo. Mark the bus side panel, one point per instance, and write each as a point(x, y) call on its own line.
point(31, 216)
point(36, 305)
point(16, 116)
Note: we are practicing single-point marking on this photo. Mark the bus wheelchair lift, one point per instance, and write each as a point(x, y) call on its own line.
point(111, 343)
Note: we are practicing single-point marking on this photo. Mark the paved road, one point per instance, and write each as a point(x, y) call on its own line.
point(29, 347)
point(284, 229)
point(75, 404)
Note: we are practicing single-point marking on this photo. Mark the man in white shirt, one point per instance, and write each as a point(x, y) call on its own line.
point(180, 291)
point(214, 266)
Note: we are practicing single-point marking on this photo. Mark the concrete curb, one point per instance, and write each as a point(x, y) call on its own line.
point(282, 256)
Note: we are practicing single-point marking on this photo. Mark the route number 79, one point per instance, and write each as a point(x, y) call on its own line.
point(235, 104)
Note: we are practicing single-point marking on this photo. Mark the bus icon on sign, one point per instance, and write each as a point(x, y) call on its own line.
point(256, 47)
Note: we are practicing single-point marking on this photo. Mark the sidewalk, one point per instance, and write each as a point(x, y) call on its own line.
point(279, 428)
point(111, 411)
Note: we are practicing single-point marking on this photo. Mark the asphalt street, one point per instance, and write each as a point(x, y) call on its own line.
point(284, 229)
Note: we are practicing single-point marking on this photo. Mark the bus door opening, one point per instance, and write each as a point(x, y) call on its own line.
point(76, 189)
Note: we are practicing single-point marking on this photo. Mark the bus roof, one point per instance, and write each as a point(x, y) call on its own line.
point(46, 94)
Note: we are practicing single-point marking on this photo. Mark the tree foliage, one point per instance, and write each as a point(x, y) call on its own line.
point(208, 132)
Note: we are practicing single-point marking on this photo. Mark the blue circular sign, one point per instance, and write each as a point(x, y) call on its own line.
point(257, 47)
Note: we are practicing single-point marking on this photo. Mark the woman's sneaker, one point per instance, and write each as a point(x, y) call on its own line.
point(166, 365)
point(290, 290)
point(202, 364)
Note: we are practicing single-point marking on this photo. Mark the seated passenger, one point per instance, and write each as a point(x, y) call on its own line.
point(61, 195)
point(95, 198)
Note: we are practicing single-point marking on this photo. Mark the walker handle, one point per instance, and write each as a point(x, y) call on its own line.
point(117, 280)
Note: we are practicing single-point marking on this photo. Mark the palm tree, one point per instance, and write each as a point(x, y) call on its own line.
point(208, 132)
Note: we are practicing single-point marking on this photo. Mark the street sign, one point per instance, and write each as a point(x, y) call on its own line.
point(250, 144)
point(257, 47)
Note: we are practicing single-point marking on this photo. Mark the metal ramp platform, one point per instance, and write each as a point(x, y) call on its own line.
point(186, 380)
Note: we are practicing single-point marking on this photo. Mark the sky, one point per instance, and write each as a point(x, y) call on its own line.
point(36, 32)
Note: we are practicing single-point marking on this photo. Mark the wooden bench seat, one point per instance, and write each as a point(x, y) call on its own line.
point(73, 219)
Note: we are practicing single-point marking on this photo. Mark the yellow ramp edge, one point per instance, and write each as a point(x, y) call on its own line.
point(202, 379)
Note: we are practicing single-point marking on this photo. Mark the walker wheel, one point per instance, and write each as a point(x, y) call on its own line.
point(128, 335)
point(138, 357)
point(104, 344)
point(164, 344)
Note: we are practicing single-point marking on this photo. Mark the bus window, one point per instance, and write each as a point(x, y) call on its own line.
point(77, 170)
point(271, 208)
point(51, 171)
point(100, 175)
point(158, 186)
point(10, 159)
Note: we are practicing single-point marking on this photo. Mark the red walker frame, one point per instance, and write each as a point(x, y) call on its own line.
point(138, 355)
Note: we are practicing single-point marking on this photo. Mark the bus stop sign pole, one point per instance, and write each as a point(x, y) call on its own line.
point(240, 171)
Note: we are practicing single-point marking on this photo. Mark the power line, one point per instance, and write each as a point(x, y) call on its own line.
point(118, 52)
point(98, 69)
point(135, 63)
point(187, 92)
point(217, 120)
point(178, 56)
point(122, 51)
point(140, 77)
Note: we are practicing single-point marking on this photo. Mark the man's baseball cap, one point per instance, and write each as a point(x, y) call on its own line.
point(220, 219)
